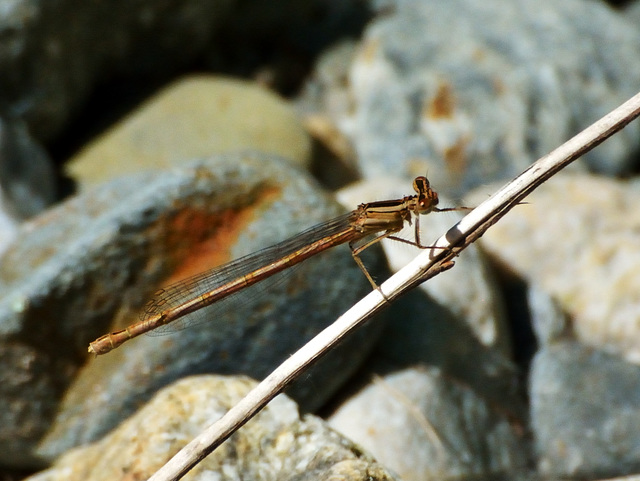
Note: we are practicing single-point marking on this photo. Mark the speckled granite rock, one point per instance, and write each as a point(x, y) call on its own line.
point(276, 444)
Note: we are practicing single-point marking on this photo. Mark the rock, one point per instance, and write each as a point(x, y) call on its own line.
point(585, 412)
point(276, 444)
point(53, 57)
point(193, 118)
point(27, 177)
point(632, 11)
point(577, 239)
point(26, 188)
point(89, 265)
point(426, 426)
point(324, 101)
point(277, 42)
point(548, 322)
point(8, 225)
point(326, 91)
point(476, 91)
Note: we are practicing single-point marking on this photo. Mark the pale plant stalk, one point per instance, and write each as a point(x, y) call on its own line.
point(426, 265)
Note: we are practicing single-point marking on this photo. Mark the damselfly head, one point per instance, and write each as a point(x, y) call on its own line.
point(427, 198)
point(421, 184)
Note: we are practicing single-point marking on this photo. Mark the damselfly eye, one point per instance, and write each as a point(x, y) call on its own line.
point(426, 201)
point(421, 184)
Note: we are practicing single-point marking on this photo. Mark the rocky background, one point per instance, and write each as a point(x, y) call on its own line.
point(145, 142)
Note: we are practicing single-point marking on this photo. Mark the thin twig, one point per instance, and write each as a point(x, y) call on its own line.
point(423, 267)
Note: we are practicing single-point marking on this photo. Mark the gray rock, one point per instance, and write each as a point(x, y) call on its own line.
point(27, 178)
point(326, 90)
point(577, 239)
point(8, 225)
point(585, 412)
point(51, 56)
point(88, 266)
point(426, 426)
point(276, 444)
point(548, 322)
point(632, 11)
point(475, 91)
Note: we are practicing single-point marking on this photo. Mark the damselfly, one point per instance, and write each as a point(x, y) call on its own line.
point(383, 218)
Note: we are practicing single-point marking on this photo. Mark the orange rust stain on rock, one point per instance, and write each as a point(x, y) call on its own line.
point(456, 156)
point(479, 55)
point(442, 105)
point(499, 87)
point(207, 238)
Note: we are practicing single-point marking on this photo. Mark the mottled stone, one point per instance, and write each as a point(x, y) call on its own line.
point(323, 102)
point(585, 413)
point(27, 180)
point(427, 426)
point(548, 321)
point(326, 89)
point(89, 265)
point(193, 118)
point(577, 239)
point(475, 91)
point(52, 55)
point(8, 225)
point(276, 444)
point(632, 11)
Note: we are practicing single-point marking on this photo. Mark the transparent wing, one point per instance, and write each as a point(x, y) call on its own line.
point(193, 287)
